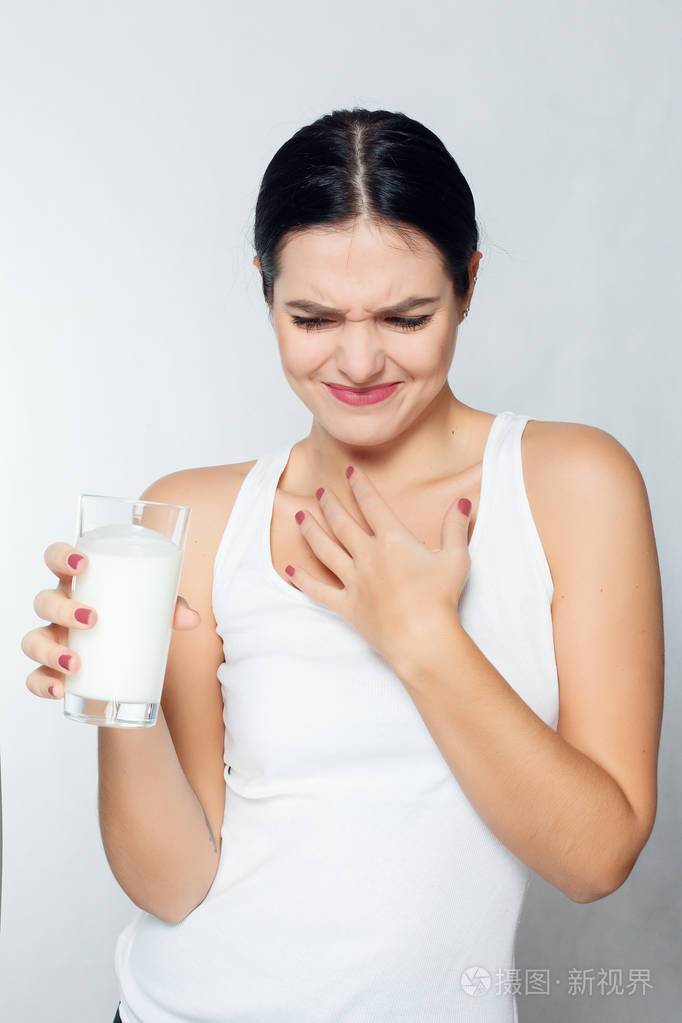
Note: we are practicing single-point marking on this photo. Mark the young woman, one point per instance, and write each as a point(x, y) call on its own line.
point(438, 673)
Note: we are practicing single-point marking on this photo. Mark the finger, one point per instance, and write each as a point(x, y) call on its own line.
point(56, 606)
point(342, 523)
point(323, 546)
point(329, 596)
point(65, 561)
point(455, 528)
point(185, 617)
point(46, 682)
point(373, 506)
point(43, 645)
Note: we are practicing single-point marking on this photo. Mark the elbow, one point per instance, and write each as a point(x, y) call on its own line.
point(197, 898)
point(613, 876)
point(606, 886)
point(616, 869)
point(178, 913)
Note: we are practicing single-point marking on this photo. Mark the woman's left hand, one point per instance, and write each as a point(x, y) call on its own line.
point(392, 582)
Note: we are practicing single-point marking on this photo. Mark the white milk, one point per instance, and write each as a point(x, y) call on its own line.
point(131, 581)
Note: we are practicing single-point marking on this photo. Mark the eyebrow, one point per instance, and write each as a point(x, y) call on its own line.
point(401, 307)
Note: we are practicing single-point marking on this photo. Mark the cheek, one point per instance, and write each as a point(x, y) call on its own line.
point(301, 353)
point(430, 357)
point(299, 359)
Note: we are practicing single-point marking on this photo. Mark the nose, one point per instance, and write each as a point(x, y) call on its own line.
point(358, 357)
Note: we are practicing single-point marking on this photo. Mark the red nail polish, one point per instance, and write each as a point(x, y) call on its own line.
point(349, 471)
point(64, 661)
point(464, 505)
point(74, 560)
point(289, 570)
point(82, 615)
point(299, 517)
point(319, 493)
point(50, 690)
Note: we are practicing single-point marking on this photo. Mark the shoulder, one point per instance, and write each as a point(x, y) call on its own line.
point(202, 482)
point(210, 491)
point(579, 479)
point(569, 446)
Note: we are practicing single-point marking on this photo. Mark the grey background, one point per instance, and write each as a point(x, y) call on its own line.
point(135, 342)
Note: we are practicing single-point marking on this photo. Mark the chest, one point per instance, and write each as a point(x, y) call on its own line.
point(421, 511)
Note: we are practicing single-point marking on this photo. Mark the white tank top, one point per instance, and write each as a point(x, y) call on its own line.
point(356, 883)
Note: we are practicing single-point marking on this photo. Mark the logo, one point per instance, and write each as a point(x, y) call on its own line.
point(475, 980)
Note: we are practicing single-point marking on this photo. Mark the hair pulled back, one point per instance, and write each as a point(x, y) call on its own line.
point(371, 163)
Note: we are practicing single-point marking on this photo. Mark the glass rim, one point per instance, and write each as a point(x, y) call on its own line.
point(137, 500)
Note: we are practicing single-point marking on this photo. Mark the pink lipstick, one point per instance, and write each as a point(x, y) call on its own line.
point(362, 395)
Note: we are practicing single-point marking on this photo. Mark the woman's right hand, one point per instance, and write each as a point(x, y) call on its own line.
point(46, 644)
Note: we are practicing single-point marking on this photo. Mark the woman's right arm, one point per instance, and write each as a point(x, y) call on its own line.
point(152, 824)
point(161, 843)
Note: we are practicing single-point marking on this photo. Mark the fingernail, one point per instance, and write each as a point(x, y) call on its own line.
point(319, 493)
point(65, 661)
point(74, 560)
point(349, 471)
point(82, 615)
point(289, 570)
point(51, 690)
point(299, 517)
point(464, 505)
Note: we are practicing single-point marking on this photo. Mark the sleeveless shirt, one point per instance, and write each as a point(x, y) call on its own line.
point(356, 882)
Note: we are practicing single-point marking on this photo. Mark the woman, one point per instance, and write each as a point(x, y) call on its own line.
point(439, 672)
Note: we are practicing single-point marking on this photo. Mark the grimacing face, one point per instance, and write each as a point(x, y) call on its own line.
point(361, 274)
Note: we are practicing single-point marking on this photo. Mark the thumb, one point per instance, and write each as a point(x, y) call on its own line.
point(186, 617)
point(456, 523)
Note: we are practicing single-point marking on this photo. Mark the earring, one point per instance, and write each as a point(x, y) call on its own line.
point(466, 311)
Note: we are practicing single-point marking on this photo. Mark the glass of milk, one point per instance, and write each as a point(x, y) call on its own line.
point(135, 550)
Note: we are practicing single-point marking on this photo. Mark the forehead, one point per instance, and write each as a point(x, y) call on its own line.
point(366, 263)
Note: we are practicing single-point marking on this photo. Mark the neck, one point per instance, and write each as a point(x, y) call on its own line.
point(432, 446)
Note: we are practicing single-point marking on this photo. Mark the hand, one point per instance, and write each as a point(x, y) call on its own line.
point(391, 580)
point(46, 644)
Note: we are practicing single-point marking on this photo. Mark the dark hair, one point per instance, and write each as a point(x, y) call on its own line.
point(373, 163)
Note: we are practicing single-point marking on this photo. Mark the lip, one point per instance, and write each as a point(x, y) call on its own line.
point(362, 395)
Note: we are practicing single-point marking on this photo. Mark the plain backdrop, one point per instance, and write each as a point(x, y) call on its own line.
point(135, 342)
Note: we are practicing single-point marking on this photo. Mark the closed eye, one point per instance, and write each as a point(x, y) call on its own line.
point(403, 322)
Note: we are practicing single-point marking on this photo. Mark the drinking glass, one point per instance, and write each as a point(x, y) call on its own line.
point(135, 550)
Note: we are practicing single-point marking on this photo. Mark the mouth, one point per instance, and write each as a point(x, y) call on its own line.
point(362, 395)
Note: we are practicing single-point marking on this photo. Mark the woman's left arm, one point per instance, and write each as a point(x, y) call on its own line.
point(576, 805)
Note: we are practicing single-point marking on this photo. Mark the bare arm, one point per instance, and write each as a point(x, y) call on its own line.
point(162, 789)
point(576, 805)
point(157, 839)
